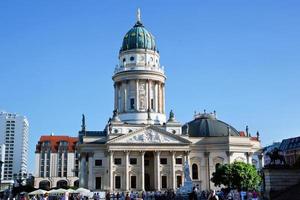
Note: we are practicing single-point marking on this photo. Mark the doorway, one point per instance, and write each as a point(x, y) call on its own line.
point(149, 171)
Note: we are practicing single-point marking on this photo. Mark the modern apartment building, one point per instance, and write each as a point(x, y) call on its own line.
point(56, 161)
point(14, 130)
point(2, 159)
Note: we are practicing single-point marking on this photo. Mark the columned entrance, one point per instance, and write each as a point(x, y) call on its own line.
point(149, 171)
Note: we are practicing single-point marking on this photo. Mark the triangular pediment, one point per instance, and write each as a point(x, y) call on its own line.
point(149, 135)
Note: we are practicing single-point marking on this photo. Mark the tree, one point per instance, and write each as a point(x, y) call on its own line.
point(237, 175)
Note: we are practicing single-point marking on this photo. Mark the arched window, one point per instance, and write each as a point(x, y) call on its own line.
point(62, 184)
point(45, 185)
point(195, 171)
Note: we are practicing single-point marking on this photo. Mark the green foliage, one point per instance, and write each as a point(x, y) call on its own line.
point(237, 175)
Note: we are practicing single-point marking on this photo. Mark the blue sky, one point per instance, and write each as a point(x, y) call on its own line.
point(240, 58)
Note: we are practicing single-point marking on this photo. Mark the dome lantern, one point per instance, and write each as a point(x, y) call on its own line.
point(138, 37)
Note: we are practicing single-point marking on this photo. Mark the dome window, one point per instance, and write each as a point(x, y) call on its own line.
point(124, 59)
point(131, 58)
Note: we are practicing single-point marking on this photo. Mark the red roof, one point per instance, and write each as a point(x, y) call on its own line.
point(242, 134)
point(55, 141)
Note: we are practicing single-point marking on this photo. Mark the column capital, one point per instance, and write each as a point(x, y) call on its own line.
point(142, 153)
point(248, 153)
point(206, 154)
point(157, 153)
point(229, 153)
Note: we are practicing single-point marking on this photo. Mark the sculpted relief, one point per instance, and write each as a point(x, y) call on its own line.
point(150, 136)
point(142, 96)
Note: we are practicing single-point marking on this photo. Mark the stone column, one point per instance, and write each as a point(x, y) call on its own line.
point(149, 95)
point(163, 98)
point(110, 171)
point(249, 157)
point(127, 170)
point(156, 97)
point(143, 171)
point(159, 97)
point(206, 154)
point(173, 175)
point(125, 96)
point(82, 173)
point(157, 170)
point(260, 161)
point(137, 95)
point(91, 179)
point(116, 98)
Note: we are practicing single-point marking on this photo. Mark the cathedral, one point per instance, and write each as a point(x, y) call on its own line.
point(141, 147)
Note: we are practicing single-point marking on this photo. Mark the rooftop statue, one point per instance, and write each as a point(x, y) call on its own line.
point(275, 155)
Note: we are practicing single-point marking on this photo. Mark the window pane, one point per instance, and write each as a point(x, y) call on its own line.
point(133, 182)
point(178, 161)
point(117, 182)
point(133, 161)
point(98, 162)
point(163, 161)
point(195, 171)
point(164, 181)
point(179, 179)
point(98, 182)
point(118, 161)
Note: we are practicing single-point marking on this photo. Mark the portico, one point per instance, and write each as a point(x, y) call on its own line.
point(146, 163)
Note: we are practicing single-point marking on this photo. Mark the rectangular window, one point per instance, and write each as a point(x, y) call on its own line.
point(98, 183)
point(178, 161)
point(164, 182)
point(133, 161)
point(179, 181)
point(117, 182)
point(163, 161)
point(152, 104)
point(131, 103)
point(133, 182)
point(118, 161)
point(98, 162)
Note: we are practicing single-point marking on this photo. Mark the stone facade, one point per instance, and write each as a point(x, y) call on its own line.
point(139, 149)
point(56, 162)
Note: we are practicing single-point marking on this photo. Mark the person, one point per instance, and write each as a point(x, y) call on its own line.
point(254, 195)
point(213, 196)
point(127, 197)
point(107, 196)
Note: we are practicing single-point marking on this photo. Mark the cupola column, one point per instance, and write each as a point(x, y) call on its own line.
point(156, 96)
point(137, 95)
point(115, 105)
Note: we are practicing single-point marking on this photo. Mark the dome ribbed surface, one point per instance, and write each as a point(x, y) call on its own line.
point(138, 38)
point(206, 127)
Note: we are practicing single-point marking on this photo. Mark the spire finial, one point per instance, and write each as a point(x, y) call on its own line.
point(138, 15)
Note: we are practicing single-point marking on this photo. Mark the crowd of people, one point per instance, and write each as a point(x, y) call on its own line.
point(196, 194)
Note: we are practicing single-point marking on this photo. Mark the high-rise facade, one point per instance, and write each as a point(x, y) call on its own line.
point(2, 156)
point(14, 130)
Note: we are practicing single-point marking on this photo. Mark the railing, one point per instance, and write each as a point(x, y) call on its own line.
point(138, 67)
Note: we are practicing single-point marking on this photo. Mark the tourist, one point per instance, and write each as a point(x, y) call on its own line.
point(213, 196)
point(107, 196)
point(254, 195)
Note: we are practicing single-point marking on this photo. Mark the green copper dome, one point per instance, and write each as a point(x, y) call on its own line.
point(138, 38)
